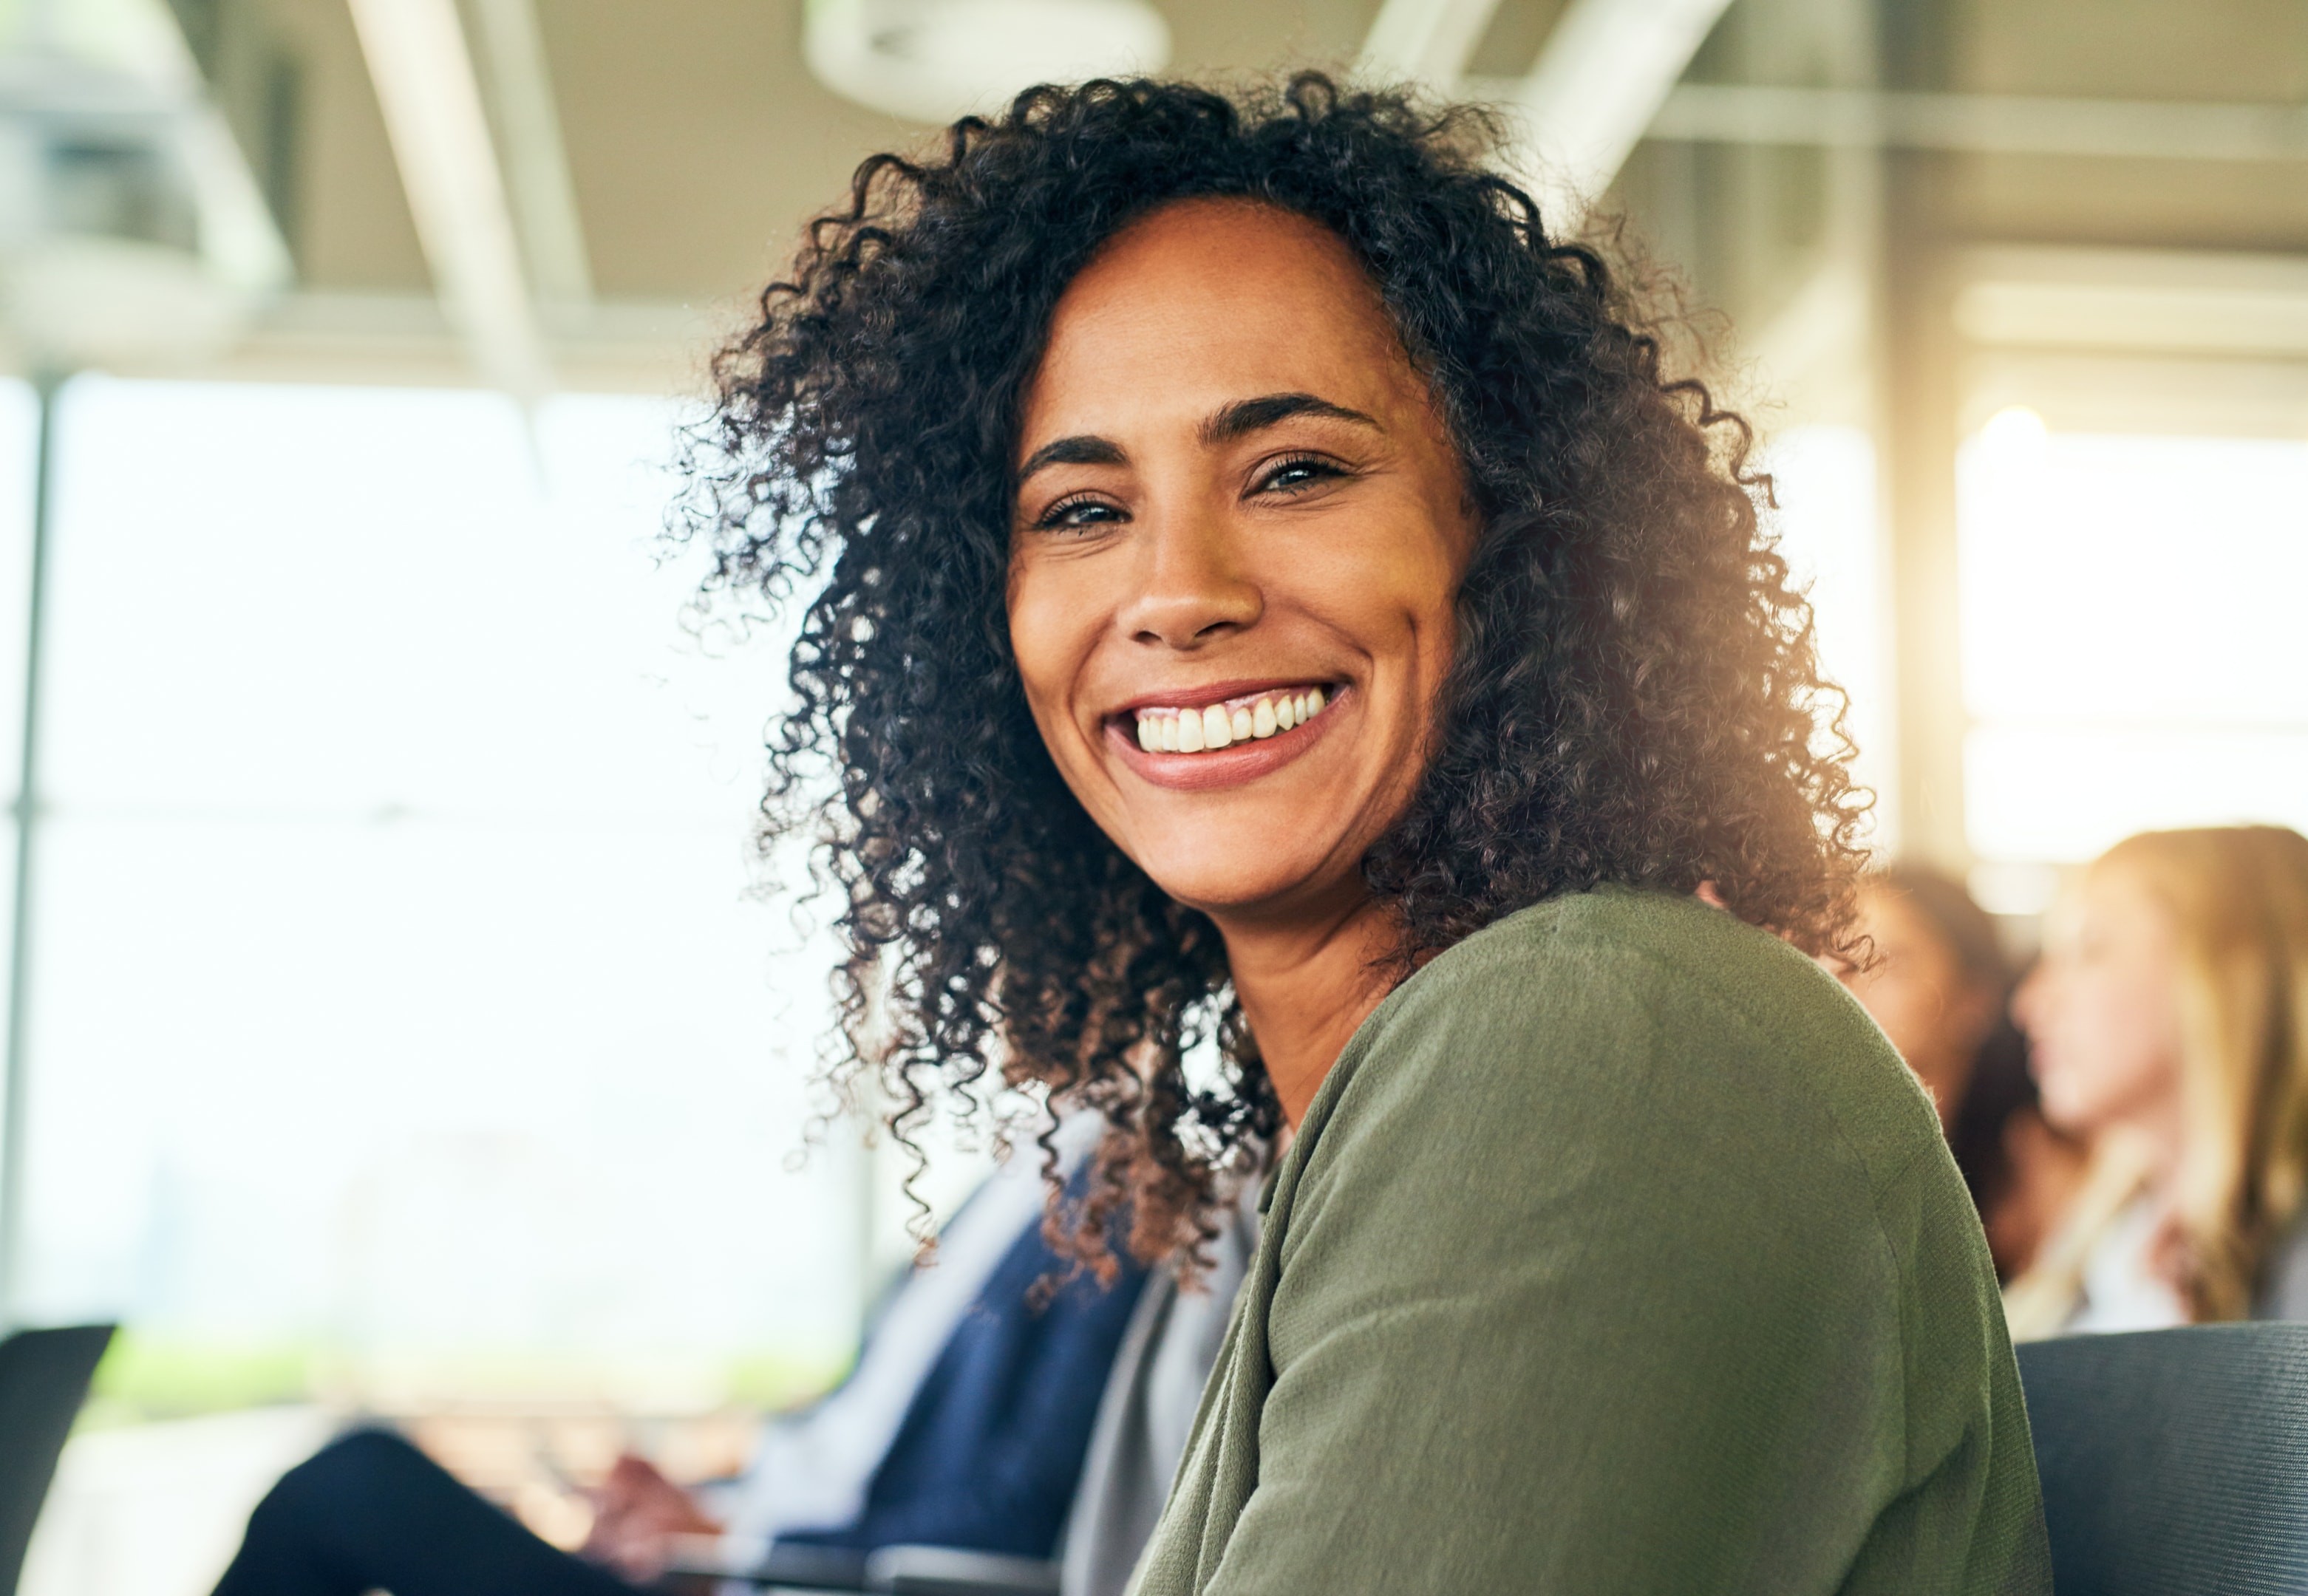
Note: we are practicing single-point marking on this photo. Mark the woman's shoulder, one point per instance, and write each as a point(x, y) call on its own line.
point(1656, 1024)
point(1618, 968)
point(1659, 948)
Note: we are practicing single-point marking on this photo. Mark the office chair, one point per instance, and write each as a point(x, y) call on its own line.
point(2174, 1462)
point(892, 1571)
point(43, 1376)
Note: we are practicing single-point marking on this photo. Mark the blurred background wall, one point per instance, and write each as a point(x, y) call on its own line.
point(392, 1028)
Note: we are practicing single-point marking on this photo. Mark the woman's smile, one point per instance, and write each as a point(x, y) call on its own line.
point(1222, 735)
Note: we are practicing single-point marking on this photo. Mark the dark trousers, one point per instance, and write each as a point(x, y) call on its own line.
point(371, 1512)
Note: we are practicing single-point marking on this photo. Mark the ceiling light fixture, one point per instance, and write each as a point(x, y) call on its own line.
point(934, 60)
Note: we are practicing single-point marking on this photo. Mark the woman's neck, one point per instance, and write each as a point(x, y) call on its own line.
point(1305, 984)
point(2152, 1132)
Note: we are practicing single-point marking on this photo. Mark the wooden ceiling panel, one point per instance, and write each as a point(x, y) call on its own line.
point(350, 228)
point(2247, 50)
point(698, 141)
point(1229, 38)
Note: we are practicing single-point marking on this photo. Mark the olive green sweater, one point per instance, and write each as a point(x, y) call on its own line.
point(1617, 1253)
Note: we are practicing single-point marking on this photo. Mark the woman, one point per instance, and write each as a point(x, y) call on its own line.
point(1263, 582)
point(2168, 1025)
point(1938, 984)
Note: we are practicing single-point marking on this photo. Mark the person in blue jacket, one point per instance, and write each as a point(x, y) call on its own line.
point(965, 1424)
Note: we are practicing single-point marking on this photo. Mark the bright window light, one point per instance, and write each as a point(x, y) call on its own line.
point(397, 989)
point(2132, 651)
point(1824, 479)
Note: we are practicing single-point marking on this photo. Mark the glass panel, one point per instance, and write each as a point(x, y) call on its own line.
point(2133, 579)
point(399, 992)
point(2063, 795)
point(2133, 656)
point(1824, 479)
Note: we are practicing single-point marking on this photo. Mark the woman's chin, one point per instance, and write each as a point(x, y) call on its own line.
point(2067, 1109)
point(1238, 887)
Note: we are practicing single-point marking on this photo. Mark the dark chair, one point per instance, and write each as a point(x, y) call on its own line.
point(2174, 1462)
point(44, 1377)
point(892, 1571)
point(949, 1571)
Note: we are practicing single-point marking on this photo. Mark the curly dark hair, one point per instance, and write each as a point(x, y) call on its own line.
point(1633, 699)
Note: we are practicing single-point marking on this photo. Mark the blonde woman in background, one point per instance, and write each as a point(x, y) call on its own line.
point(2169, 1026)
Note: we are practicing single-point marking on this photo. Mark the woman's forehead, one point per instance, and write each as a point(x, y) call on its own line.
point(1206, 301)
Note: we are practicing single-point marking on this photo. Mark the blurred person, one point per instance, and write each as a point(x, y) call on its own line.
point(1940, 986)
point(978, 1417)
point(1249, 569)
point(2167, 1021)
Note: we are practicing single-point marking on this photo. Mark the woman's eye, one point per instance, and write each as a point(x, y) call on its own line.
point(1293, 475)
point(1077, 512)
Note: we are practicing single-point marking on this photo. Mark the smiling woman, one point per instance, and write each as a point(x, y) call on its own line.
point(1259, 577)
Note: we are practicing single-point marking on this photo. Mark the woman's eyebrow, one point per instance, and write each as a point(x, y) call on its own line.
point(1081, 450)
point(1228, 423)
point(1245, 417)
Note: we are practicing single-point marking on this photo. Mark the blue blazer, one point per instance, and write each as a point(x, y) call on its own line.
point(990, 1450)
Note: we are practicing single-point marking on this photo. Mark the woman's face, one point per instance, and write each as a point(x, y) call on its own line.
point(2101, 1010)
point(1917, 990)
point(1239, 531)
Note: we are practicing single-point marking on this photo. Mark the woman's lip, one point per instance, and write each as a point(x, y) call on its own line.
point(1227, 767)
point(1219, 693)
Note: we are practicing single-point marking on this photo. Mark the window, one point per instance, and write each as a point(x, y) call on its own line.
point(2134, 652)
point(1825, 479)
point(397, 999)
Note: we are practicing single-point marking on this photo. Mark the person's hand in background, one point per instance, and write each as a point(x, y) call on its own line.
point(637, 1512)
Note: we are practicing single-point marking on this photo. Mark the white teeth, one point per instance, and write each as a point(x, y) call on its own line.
point(1221, 725)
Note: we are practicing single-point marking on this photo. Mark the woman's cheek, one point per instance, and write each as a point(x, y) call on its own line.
point(1053, 646)
point(2109, 1054)
point(2047, 1011)
point(1039, 649)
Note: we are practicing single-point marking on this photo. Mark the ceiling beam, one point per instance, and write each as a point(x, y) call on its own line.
point(519, 82)
point(1424, 41)
point(1607, 68)
point(440, 137)
point(1985, 124)
point(1973, 123)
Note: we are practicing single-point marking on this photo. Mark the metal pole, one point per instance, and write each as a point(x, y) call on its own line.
point(47, 385)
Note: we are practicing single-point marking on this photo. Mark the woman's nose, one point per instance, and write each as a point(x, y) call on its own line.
point(1191, 589)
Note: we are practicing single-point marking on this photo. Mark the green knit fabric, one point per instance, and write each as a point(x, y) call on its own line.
point(1618, 1253)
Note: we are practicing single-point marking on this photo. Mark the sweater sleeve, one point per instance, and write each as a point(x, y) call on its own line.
point(1577, 1296)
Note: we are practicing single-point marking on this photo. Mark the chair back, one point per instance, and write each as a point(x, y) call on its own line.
point(797, 1569)
point(2174, 1462)
point(949, 1571)
point(43, 1376)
